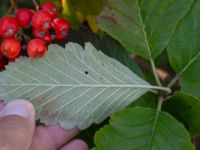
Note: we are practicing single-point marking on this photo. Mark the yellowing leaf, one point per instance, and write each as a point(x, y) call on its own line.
point(83, 10)
point(65, 7)
point(92, 23)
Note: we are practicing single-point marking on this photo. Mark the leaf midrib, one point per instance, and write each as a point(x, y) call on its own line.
point(151, 59)
point(83, 85)
point(189, 63)
point(173, 81)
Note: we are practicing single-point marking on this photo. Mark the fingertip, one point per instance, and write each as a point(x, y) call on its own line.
point(20, 108)
point(76, 144)
point(17, 125)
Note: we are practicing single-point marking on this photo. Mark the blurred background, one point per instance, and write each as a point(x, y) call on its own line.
point(5, 4)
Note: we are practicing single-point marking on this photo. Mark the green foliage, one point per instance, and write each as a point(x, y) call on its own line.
point(138, 129)
point(147, 100)
point(84, 83)
point(143, 27)
point(186, 108)
point(184, 51)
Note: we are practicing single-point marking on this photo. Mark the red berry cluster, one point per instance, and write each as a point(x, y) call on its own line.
point(42, 22)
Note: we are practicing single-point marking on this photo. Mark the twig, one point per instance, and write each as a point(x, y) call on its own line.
point(173, 81)
point(164, 73)
point(26, 37)
point(14, 4)
point(36, 4)
point(155, 72)
point(9, 10)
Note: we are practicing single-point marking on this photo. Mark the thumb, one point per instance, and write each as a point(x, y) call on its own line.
point(17, 121)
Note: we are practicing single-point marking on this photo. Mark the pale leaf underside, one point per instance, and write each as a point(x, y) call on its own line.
point(74, 87)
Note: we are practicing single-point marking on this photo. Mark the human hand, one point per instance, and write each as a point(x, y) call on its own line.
point(18, 131)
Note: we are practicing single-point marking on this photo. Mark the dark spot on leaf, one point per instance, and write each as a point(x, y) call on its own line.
point(86, 72)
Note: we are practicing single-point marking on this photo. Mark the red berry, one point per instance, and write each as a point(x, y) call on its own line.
point(8, 27)
point(39, 33)
point(41, 20)
point(61, 27)
point(24, 17)
point(48, 39)
point(10, 48)
point(50, 7)
point(36, 48)
point(43, 35)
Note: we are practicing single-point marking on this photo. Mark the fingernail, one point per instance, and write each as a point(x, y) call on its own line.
point(20, 108)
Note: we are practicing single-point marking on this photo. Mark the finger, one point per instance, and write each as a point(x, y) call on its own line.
point(75, 145)
point(16, 125)
point(51, 137)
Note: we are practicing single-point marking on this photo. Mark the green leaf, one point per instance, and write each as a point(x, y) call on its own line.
point(113, 49)
point(184, 51)
point(147, 100)
point(72, 86)
point(188, 111)
point(143, 27)
point(135, 129)
point(88, 134)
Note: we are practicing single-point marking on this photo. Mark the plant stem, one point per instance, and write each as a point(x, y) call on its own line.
point(153, 66)
point(149, 50)
point(36, 4)
point(173, 81)
point(161, 88)
point(14, 4)
point(9, 10)
point(22, 34)
point(159, 106)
